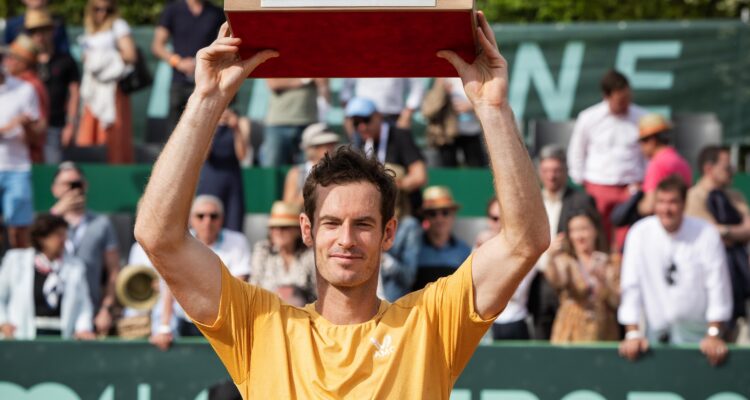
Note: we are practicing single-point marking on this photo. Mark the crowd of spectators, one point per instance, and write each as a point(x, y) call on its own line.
point(637, 254)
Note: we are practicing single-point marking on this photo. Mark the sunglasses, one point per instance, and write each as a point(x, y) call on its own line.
point(494, 218)
point(434, 213)
point(213, 216)
point(103, 9)
point(361, 120)
point(670, 275)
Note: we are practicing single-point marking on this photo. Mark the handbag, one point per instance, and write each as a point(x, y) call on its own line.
point(139, 78)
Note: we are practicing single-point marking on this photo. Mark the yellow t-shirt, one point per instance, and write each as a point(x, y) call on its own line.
point(414, 348)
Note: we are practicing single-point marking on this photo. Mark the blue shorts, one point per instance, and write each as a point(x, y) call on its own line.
point(16, 199)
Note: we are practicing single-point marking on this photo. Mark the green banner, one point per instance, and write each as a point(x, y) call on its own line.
point(111, 370)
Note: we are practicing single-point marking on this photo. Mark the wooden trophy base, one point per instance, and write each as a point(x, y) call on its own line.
point(326, 42)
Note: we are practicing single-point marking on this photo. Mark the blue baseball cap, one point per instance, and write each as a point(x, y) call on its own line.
point(360, 107)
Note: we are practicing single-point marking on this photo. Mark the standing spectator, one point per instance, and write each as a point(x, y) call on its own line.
point(221, 174)
point(439, 249)
point(587, 280)
point(712, 200)
point(292, 107)
point(15, 26)
point(91, 238)
point(395, 98)
point(20, 62)
point(317, 140)
point(282, 263)
point(43, 291)
point(108, 55)
point(20, 123)
point(603, 151)
point(190, 25)
point(60, 75)
point(663, 159)
point(674, 269)
point(560, 201)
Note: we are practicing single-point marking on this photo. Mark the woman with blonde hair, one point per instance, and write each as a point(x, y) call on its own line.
point(109, 54)
point(587, 280)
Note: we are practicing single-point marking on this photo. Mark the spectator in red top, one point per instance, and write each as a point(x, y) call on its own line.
point(664, 160)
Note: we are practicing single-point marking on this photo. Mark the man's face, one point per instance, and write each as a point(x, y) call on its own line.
point(721, 172)
point(368, 127)
point(206, 220)
point(14, 64)
point(619, 101)
point(348, 236)
point(42, 37)
point(648, 146)
point(553, 174)
point(441, 221)
point(669, 208)
point(69, 182)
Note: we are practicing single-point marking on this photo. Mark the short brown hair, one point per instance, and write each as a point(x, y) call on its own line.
point(673, 183)
point(347, 165)
point(613, 81)
point(710, 155)
point(43, 226)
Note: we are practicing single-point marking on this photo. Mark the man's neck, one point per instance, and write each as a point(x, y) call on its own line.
point(438, 240)
point(709, 184)
point(347, 306)
point(555, 194)
point(195, 6)
point(74, 217)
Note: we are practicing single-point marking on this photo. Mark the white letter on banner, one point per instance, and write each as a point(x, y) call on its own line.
point(108, 393)
point(630, 52)
point(530, 65)
point(461, 394)
point(583, 395)
point(508, 395)
point(653, 396)
point(727, 396)
point(144, 391)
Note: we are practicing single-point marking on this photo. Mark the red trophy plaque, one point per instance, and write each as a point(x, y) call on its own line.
point(354, 38)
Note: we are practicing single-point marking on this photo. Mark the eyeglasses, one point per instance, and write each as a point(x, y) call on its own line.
point(103, 9)
point(213, 216)
point(361, 120)
point(442, 212)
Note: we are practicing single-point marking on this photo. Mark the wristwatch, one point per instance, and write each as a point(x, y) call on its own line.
point(713, 331)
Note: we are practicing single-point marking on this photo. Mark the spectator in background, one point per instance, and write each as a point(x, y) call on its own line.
point(398, 266)
point(603, 152)
point(206, 220)
point(439, 251)
point(674, 269)
point(60, 75)
point(712, 200)
point(109, 54)
point(20, 123)
point(15, 26)
point(43, 291)
point(292, 107)
point(588, 281)
point(390, 145)
point(560, 201)
point(189, 25)
point(221, 175)
point(664, 160)
point(493, 222)
point(20, 61)
point(282, 264)
point(395, 98)
point(450, 102)
point(91, 238)
point(317, 140)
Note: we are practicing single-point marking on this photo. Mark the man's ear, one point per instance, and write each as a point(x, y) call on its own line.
point(306, 227)
point(389, 234)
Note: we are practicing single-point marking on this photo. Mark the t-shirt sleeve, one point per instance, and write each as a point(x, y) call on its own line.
point(655, 173)
point(110, 236)
point(242, 310)
point(120, 28)
point(31, 106)
point(450, 306)
point(407, 147)
point(167, 17)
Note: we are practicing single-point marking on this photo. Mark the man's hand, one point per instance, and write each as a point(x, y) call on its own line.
point(8, 330)
point(103, 321)
point(404, 119)
point(485, 81)
point(631, 349)
point(19, 121)
point(70, 201)
point(162, 340)
point(84, 335)
point(219, 69)
point(67, 134)
point(186, 66)
point(714, 349)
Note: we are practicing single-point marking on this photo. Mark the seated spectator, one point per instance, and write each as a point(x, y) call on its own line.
point(674, 274)
point(317, 140)
point(587, 281)
point(663, 159)
point(221, 175)
point(282, 263)
point(15, 26)
point(43, 291)
point(206, 220)
point(493, 222)
point(91, 238)
point(440, 252)
point(398, 266)
point(396, 98)
point(712, 200)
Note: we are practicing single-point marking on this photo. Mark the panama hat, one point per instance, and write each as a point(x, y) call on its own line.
point(36, 19)
point(652, 124)
point(284, 215)
point(438, 197)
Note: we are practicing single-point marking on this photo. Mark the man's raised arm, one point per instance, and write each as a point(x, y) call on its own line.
point(190, 268)
point(500, 264)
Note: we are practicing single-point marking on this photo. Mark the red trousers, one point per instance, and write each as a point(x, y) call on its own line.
point(607, 198)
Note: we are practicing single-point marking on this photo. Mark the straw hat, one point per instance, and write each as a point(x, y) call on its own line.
point(437, 197)
point(284, 215)
point(23, 47)
point(652, 124)
point(36, 19)
point(318, 134)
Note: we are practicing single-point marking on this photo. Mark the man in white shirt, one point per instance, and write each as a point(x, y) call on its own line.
point(603, 153)
point(19, 122)
point(674, 270)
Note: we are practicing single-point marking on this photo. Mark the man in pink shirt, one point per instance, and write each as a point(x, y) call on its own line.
point(664, 161)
